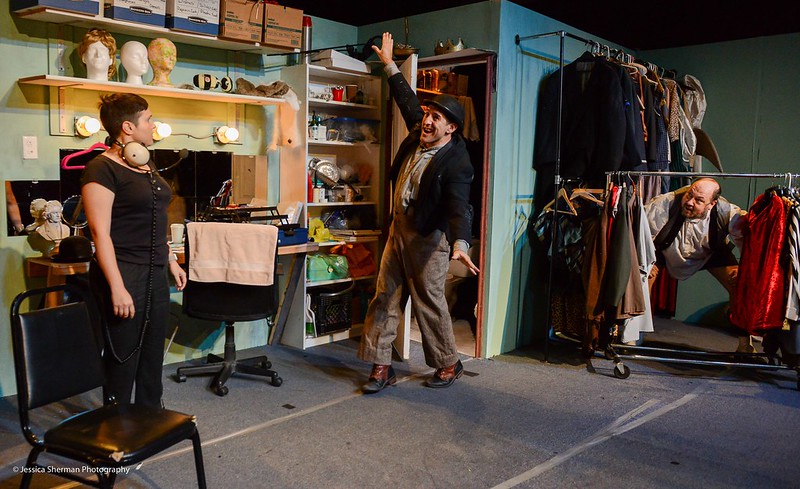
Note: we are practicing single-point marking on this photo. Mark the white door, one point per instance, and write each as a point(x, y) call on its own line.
point(399, 132)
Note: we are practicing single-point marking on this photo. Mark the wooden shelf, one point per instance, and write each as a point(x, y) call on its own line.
point(318, 102)
point(348, 240)
point(316, 73)
point(320, 283)
point(46, 14)
point(170, 92)
point(312, 142)
point(337, 204)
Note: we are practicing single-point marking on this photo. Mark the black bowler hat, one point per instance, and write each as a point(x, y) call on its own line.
point(450, 107)
point(74, 249)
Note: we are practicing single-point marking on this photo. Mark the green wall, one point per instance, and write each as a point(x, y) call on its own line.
point(752, 116)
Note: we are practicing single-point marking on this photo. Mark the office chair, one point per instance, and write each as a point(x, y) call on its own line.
point(56, 357)
point(229, 303)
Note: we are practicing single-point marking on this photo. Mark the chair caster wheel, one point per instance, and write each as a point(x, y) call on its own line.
point(266, 365)
point(621, 371)
point(220, 390)
point(277, 381)
point(179, 378)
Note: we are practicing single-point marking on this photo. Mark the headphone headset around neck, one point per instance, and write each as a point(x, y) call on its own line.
point(134, 154)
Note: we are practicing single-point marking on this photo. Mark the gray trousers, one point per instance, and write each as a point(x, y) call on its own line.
point(416, 265)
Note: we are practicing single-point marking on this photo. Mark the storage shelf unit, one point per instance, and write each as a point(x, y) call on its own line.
point(294, 177)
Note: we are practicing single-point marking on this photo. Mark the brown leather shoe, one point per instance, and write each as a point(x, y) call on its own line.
point(381, 376)
point(443, 377)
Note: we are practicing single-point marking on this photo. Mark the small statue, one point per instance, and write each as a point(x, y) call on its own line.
point(97, 51)
point(162, 55)
point(37, 210)
point(133, 56)
point(47, 236)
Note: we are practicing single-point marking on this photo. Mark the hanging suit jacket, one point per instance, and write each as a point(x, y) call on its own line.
point(593, 125)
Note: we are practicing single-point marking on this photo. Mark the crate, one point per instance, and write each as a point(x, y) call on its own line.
point(332, 309)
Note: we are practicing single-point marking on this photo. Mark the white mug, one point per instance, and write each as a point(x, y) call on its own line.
point(177, 233)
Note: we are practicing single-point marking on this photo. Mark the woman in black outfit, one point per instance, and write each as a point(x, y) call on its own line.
point(125, 202)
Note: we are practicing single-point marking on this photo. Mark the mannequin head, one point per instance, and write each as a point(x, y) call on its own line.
point(162, 55)
point(133, 56)
point(97, 51)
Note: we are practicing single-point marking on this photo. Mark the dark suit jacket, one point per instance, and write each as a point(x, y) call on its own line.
point(443, 198)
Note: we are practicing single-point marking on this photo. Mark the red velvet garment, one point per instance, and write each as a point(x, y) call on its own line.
point(758, 302)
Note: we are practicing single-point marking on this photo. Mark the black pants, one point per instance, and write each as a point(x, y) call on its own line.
point(126, 363)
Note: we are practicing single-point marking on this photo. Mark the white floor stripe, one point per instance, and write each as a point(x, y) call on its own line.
point(618, 427)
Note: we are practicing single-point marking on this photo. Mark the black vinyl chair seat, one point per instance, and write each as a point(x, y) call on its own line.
point(56, 357)
point(119, 435)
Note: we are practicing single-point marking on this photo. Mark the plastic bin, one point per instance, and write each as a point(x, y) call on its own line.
point(332, 308)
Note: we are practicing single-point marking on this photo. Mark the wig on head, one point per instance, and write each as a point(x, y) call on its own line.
point(92, 36)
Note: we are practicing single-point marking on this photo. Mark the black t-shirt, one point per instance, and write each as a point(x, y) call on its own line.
point(132, 227)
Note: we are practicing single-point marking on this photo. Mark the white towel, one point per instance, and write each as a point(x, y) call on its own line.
point(237, 253)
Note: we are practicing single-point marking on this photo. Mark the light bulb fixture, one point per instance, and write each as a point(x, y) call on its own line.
point(86, 125)
point(225, 134)
point(161, 130)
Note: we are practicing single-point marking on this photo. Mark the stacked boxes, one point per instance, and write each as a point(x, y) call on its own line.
point(201, 16)
point(152, 12)
point(283, 26)
point(241, 20)
point(81, 6)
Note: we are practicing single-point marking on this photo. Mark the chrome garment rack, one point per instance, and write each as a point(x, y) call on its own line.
point(618, 352)
point(557, 183)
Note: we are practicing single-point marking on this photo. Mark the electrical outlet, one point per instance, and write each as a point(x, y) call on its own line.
point(30, 149)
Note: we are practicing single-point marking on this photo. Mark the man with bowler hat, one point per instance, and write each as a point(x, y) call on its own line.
point(431, 224)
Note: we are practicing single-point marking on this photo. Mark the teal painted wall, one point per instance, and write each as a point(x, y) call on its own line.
point(25, 110)
point(753, 117)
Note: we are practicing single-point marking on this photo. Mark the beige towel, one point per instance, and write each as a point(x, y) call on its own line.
point(237, 253)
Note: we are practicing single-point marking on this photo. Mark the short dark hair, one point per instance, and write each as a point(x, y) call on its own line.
point(116, 108)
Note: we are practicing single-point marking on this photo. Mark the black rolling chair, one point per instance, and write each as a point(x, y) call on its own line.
point(229, 303)
point(57, 357)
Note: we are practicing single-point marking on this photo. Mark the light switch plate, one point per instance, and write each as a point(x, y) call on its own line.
point(30, 149)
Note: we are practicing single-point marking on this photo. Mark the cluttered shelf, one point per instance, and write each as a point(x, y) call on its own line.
point(147, 90)
point(46, 14)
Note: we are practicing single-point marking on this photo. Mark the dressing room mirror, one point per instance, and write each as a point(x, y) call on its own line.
point(194, 181)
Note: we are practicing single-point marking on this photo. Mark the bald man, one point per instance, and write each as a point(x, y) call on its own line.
point(692, 229)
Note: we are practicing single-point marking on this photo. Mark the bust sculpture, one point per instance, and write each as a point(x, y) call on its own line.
point(162, 55)
point(97, 51)
point(47, 236)
point(37, 213)
point(133, 57)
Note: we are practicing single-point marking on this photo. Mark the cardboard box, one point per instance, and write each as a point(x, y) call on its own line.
point(199, 16)
point(283, 26)
point(330, 58)
point(152, 12)
point(241, 20)
point(80, 6)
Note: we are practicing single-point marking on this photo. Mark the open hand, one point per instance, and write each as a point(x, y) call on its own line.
point(386, 50)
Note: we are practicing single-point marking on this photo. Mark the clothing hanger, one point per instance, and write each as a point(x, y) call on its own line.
point(589, 194)
point(562, 195)
point(65, 160)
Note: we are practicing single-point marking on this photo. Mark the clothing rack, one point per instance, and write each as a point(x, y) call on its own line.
point(557, 181)
point(619, 352)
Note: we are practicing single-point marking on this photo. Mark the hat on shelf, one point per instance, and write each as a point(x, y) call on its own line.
point(706, 148)
point(74, 249)
point(450, 107)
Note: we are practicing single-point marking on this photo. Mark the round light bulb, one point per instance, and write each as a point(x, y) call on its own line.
point(86, 126)
point(161, 130)
point(227, 134)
